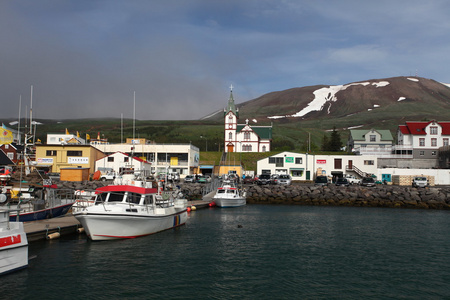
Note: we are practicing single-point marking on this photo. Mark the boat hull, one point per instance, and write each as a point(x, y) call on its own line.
point(13, 249)
point(109, 226)
point(230, 202)
point(42, 214)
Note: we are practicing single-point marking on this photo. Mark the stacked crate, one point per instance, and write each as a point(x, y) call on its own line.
point(408, 179)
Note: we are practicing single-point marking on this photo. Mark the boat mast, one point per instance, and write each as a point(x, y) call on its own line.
point(28, 136)
point(134, 128)
point(18, 125)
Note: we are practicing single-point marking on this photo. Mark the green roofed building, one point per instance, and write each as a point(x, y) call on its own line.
point(368, 141)
point(244, 137)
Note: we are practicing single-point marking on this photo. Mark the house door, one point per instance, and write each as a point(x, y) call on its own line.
point(230, 148)
point(338, 163)
point(350, 164)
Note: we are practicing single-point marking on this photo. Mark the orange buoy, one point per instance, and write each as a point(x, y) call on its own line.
point(188, 209)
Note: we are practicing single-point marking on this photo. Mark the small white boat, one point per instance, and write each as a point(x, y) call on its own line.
point(229, 196)
point(130, 211)
point(13, 244)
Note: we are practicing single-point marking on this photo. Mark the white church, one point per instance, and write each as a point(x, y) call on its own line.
point(244, 137)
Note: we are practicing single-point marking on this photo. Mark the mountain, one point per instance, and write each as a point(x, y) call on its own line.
point(377, 103)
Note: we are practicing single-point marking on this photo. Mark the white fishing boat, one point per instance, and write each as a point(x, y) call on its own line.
point(131, 210)
point(13, 244)
point(229, 196)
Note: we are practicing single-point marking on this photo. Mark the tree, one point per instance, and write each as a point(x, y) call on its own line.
point(325, 143)
point(332, 143)
point(335, 143)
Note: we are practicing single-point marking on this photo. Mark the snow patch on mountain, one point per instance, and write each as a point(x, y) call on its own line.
point(324, 97)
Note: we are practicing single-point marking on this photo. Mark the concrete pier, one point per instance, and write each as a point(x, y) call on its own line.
point(39, 230)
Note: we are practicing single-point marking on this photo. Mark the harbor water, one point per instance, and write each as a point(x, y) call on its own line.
point(253, 252)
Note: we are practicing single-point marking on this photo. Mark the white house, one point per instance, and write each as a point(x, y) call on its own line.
point(371, 141)
point(244, 137)
point(304, 166)
point(180, 158)
point(424, 138)
point(119, 161)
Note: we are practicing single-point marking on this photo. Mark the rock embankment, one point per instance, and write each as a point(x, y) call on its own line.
point(379, 196)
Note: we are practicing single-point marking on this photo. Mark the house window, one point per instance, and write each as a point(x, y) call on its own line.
point(110, 158)
point(271, 160)
point(263, 148)
point(125, 159)
point(369, 162)
point(433, 153)
point(422, 142)
point(433, 130)
point(246, 135)
point(298, 160)
point(445, 141)
point(422, 153)
point(297, 173)
point(279, 162)
point(10, 155)
point(50, 153)
point(434, 142)
point(373, 138)
point(230, 136)
point(74, 153)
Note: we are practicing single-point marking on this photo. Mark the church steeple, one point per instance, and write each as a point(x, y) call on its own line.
point(231, 107)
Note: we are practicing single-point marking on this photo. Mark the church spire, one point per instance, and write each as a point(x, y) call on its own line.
point(231, 107)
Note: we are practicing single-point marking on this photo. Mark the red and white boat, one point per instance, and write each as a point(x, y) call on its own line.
point(130, 211)
point(13, 244)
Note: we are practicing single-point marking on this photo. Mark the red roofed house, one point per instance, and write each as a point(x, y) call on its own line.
point(425, 138)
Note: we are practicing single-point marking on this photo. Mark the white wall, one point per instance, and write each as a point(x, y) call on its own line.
point(441, 176)
point(313, 163)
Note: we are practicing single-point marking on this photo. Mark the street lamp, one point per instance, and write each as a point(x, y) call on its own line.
point(206, 142)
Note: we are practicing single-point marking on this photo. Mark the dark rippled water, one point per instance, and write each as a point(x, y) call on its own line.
point(278, 252)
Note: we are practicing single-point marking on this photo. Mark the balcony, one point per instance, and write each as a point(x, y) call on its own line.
point(396, 151)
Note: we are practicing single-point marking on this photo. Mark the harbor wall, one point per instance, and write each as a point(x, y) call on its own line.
point(331, 195)
point(354, 195)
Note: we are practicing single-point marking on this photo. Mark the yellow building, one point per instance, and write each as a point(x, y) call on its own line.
point(55, 157)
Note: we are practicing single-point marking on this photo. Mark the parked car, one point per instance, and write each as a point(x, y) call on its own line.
point(108, 176)
point(248, 180)
point(284, 179)
point(189, 178)
point(264, 179)
point(352, 179)
point(368, 181)
point(204, 179)
point(420, 182)
point(341, 181)
point(321, 180)
point(274, 178)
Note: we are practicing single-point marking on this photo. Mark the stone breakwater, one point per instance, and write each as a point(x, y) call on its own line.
point(379, 196)
point(354, 195)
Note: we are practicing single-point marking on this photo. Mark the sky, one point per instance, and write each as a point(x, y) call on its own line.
point(176, 59)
